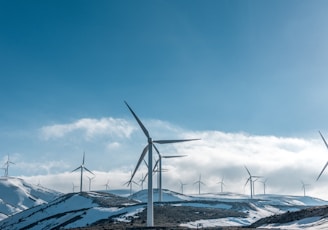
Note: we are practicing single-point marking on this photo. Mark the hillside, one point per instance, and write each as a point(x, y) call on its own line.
point(17, 195)
point(103, 210)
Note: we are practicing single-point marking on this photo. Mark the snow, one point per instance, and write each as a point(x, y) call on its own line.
point(81, 209)
point(16, 195)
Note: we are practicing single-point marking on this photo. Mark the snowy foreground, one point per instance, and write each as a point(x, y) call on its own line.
point(33, 207)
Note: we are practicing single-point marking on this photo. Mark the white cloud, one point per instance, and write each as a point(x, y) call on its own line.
point(284, 161)
point(90, 128)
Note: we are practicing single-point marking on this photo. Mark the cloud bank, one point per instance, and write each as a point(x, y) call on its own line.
point(282, 161)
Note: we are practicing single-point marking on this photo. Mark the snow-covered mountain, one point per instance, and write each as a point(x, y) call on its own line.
point(207, 210)
point(17, 195)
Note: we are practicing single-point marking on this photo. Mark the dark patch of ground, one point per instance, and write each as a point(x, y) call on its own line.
point(168, 217)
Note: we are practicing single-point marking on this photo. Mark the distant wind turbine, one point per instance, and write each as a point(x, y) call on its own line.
point(181, 185)
point(250, 181)
point(160, 170)
point(129, 183)
point(221, 183)
point(199, 182)
point(264, 185)
point(304, 186)
point(82, 167)
point(142, 180)
point(148, 148)
point(327, 161)
point(107, 185)
point(7, 163)
point(74, 186)
point(90, 179)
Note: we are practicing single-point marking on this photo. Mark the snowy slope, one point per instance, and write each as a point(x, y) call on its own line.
point(84, 209)
point(72, 210)
point(17, 195)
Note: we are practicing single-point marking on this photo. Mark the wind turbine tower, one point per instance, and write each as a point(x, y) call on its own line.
point(250, 180)
point(159, 162)
point(107, 185)
point(304, 186)
point(264, 185)
point(90, 179)
point(7, 163)
point(74, 186)
point(142, 180)
point(130, 184)
point(221, 183)
point(82, 167)
point(181, 186)
point(199, 182)
point(149, 149)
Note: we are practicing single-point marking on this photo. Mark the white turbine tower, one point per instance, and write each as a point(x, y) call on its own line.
point(160, 170)
point(90, 179)
point(142, 180)
point(107, 185)
point(82, 167)
point(74, 186)
point(250, 180)
point(304, 186)
point(181, 186)
point(130, 184)
point(149, 148)
point(199, 182)
point(264, 185)
point(221, 183)
point(7, 163)
point(327, 161)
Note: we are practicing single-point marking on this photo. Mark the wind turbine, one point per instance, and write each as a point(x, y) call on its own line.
point(221, 183)
point(74, 186)
point(199, 182)
point(7, 163)
point(303, 187)
point(130, 184)
point(142, 180)
point(250, 180)
point(264, 185)
point(90, 179)
point(327, 161)
point(159, 162)
point(107, 185)
point(82, 167)
point(182, 184)
point(149, 148)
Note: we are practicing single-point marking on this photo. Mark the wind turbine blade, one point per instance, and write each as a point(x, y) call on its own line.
point(322, 170)
point(175, 156)
point(323, 139)
point(156, 165)
point(83, 158)
point(88, 170)
point(248, 171)
point(145, 150)
point(157, 150)
point(173, 141)
point(247, 181)
point(257, 176)
point(138, 120)
point(76, 168)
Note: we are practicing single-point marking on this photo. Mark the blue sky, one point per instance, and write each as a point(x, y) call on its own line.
point(185, 67)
